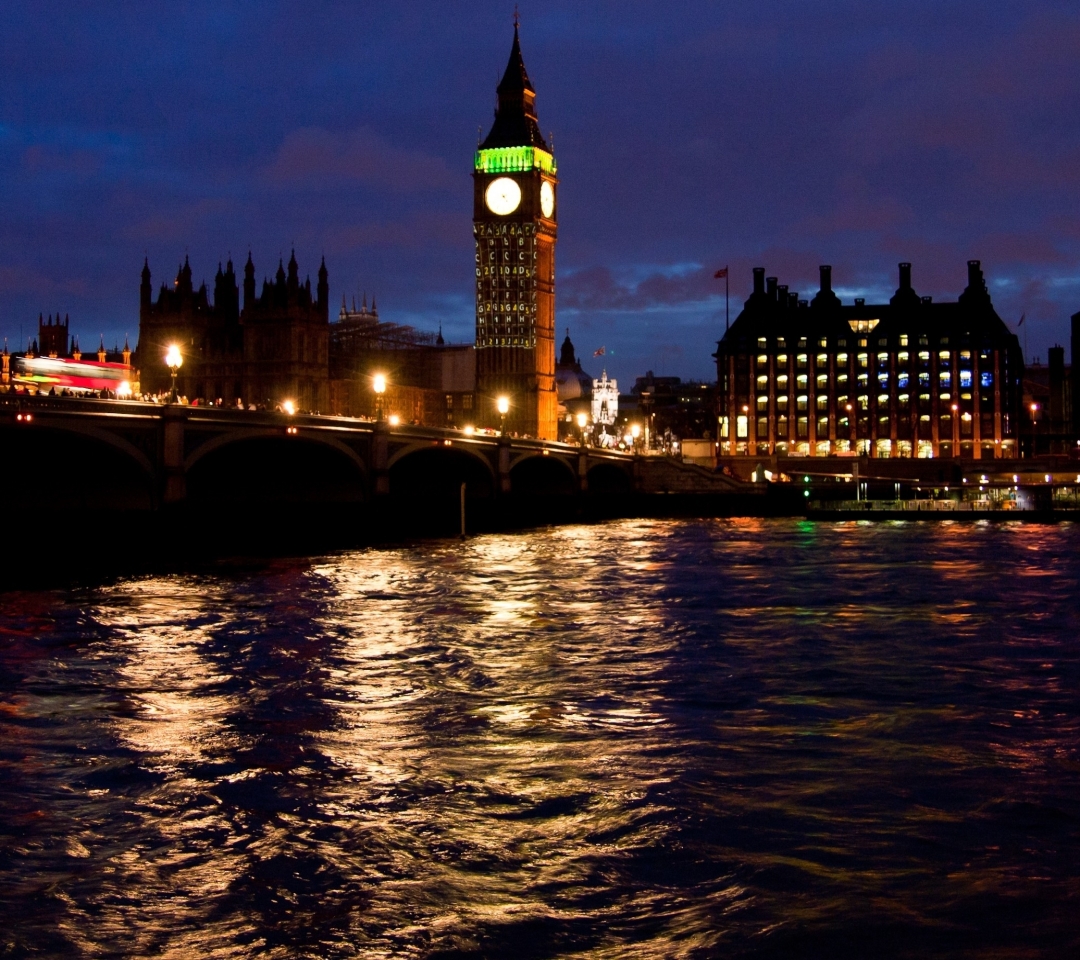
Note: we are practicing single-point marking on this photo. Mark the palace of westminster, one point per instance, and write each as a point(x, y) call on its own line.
point(907, 378)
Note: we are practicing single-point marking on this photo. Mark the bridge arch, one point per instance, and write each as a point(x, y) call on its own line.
point(60, 471)
point(264, 468)
point(237, 436)
point(425, 488)
point(536, 475)
point(468, 450)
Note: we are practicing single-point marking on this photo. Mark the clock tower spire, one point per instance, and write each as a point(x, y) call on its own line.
point(514, 211)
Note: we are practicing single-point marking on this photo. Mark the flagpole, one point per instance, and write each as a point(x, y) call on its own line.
point(726, 312)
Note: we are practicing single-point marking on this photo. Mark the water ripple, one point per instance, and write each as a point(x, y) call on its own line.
point(746, 738)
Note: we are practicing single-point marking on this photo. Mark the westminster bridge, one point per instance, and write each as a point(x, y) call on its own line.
point(77, 459)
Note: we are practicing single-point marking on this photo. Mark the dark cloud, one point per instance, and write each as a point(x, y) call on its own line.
point(689, 136)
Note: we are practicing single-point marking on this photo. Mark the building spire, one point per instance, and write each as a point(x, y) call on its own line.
point(515, 116)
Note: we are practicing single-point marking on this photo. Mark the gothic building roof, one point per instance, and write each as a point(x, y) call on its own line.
point(515, 116)
point(772, 310)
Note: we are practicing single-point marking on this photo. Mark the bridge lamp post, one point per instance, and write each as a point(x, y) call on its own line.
point(378, 384)
point(174, 360)
point(503, 406)
point(635, 432)
point(582, 421)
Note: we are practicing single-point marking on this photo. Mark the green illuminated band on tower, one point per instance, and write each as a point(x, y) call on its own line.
point(514, 160)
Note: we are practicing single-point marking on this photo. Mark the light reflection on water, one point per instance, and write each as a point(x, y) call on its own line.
point(647, 738)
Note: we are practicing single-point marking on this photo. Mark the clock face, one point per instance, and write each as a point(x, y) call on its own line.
point(547, 199)
point(502, 196)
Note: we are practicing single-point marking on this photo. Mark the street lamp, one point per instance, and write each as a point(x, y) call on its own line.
point(582, 420)
point(635, 432)
point(503, 406)
point(174, 361)
point(378, 384)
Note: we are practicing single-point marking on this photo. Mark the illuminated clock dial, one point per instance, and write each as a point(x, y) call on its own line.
point(547, 199)
point(502, 196)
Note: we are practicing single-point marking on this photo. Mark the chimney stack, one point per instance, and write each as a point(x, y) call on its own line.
point(905, 276)
point(759, 279)
point(826, 278)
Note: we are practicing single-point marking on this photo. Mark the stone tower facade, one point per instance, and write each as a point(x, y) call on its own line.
point(514, 223)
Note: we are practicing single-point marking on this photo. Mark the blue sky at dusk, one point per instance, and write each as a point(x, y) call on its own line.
point(688, 136)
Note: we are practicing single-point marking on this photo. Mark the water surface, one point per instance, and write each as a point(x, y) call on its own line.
point(640, 739)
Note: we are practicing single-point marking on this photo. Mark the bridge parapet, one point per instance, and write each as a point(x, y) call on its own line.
point(172, 443)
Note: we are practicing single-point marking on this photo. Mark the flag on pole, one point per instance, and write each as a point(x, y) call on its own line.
point(720, 274)
point(598, 353)
point(1021, 323)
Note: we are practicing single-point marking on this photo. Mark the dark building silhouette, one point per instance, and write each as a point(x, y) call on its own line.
point(1048, 406)
point(514, 224)
point(429, 381)
point(52, 338)
point(275, 347)
point(910, 378)
point(1075, 379)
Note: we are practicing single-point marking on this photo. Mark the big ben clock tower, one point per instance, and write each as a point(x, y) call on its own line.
point(514, 210)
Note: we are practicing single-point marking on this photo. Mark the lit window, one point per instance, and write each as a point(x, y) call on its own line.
point(864, 402)
point(823, 342)
point(883, 399)
point(822, 359)
point(841, 358)
point(762, 360)
point(781, 381)
point(864, 360)
point(863, 326)
point(761, 343)
point(822, 401)
point(842, 378)
point(781, 358)
point(800, 402)
point(762, 383)
point(902, 379)
point(801, 360)
point(943, 355)
point(740, 428)
point(801, 381)
point(986, 379)
point(822, 382)
point(965, 378)
point(903, 340)
point(902, 357)
point(945, 378)
point(882, 358)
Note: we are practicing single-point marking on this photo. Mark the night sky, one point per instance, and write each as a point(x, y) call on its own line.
point(688, 136)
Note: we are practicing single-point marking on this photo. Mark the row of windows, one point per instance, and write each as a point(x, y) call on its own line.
point(506, 341)
point(483, 308)
point(821, 400)
point(862, 360)
point(502, 229)
point(504, 271)
point(902, 340)
point(903, 380)
point(801, 424)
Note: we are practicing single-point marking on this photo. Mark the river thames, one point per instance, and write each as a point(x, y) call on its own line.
point(740, 738)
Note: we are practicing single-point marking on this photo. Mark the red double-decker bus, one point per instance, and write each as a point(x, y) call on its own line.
point(79, 376)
